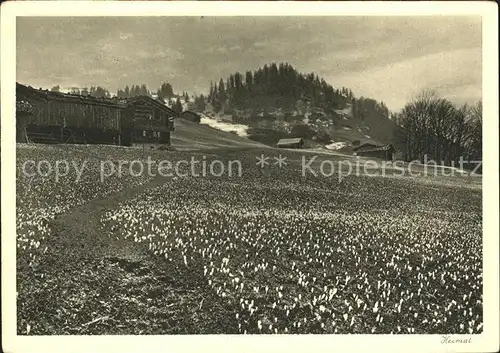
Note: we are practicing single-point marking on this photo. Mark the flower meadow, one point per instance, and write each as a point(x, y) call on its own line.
point(284, 254)
point(362, 256)
point(41, 195)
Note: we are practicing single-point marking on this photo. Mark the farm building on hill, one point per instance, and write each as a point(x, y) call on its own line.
point(291, 143)
point(55, 117)
point(191, 116)
point(370, 150)
point(65, 118)
point(147, 121)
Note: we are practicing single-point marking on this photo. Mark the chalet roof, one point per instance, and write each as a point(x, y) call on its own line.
point(290, 141)
point(49, 95)
point(111, 102)
point(370, 147)
point(148, 99)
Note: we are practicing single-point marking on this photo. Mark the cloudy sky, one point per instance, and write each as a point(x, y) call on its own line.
point(385, 58)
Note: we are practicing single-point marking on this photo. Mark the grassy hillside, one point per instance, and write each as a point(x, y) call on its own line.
point(318, 128)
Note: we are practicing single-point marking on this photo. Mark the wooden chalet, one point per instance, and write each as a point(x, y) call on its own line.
point(191, 116)
point(147, 121)
point(370, 150)
point(291, 143)
point(53, 117)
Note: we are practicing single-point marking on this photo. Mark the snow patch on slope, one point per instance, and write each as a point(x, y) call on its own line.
point(239, 129)
point(336, 145)
point(347, 111)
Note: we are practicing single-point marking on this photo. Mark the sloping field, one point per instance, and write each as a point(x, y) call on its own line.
point(270, 250)
point(190, 135)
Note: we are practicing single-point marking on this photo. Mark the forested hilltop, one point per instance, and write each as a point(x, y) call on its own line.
point(280, 98)
point(281, 86)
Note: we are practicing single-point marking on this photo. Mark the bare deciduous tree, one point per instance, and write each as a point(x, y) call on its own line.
point(434, 127)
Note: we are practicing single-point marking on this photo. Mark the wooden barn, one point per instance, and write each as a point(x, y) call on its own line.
point(191, 116)
point(23, 112)
point(54, 117)
point(147, 122)
point(370, 150)
point(291, 143)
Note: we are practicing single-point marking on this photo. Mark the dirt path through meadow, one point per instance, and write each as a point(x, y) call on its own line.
point(90, 283)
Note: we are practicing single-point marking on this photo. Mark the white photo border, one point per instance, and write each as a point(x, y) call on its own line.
point(488, 341)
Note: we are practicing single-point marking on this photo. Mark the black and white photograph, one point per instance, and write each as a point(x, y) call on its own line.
point(252, 175)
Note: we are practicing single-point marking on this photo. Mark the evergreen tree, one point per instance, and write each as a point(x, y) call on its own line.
point(231, 85)
point(178, 106)
point(215, 95)
point(222, 92)
point(249, 79)
point(211, 94)
point(199, 103)
point(169, 90)
point(166, 90)
point(159, 96)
